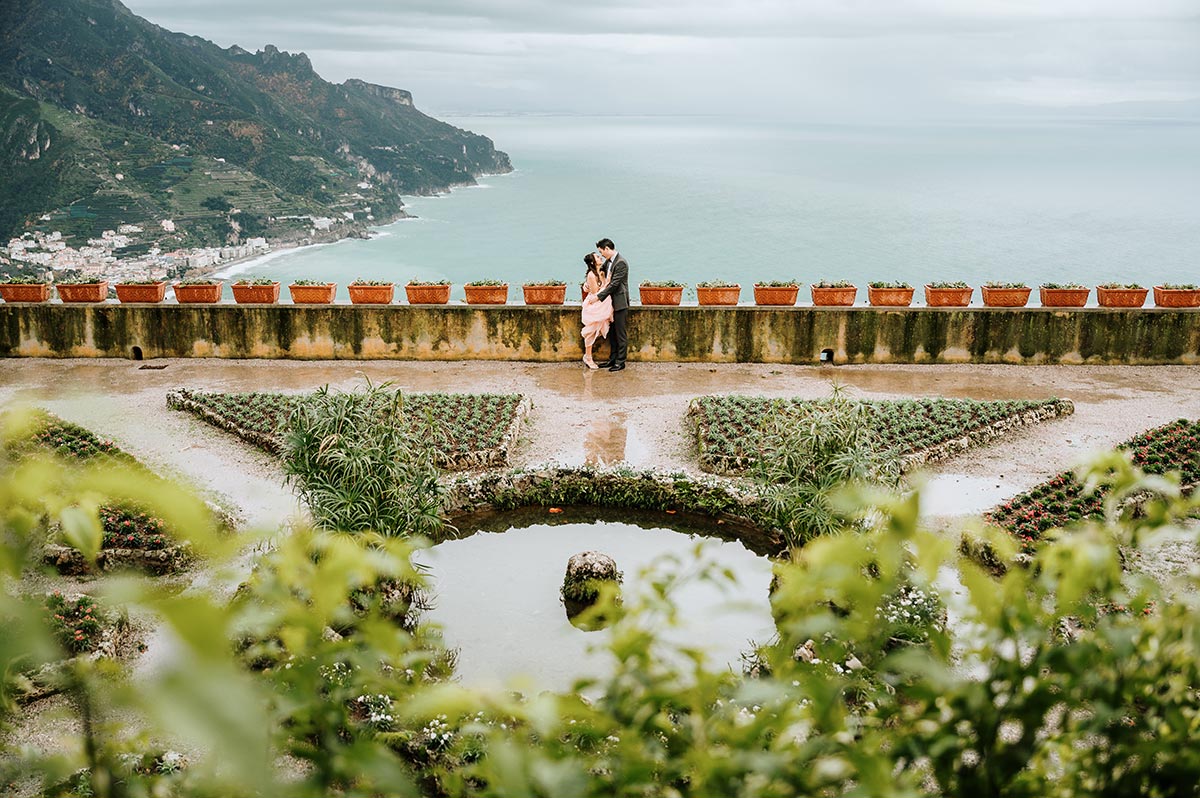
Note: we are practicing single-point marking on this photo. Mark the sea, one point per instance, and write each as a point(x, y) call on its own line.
point(703, 198)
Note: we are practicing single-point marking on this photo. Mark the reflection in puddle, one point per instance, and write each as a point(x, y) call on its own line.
point(605, 441)
point(609, 440)
point(496, 596)
point(959, 494)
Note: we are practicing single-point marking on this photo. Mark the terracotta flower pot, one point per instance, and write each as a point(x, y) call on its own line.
point(312, 294)
point(660, 295)
point(1121, 297)
point(427, 294)
point(486, 294)
point(1005, 297)
point(198, 294)
point(718, 296)
point(776, 294)
point(154, 292)
point(890, 297)
point(256, 294)
point(544, 294)
point(83, 292)
point(371, 294)
point(25, 292)
point(948, 297)
point(1176, 297)
point(829, 297)
point(1063, 297)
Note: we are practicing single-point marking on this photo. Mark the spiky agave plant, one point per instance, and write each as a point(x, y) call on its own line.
point(811, 450)
point(364, 460)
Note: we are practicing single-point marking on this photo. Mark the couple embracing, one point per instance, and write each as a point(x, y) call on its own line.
point(606, 305)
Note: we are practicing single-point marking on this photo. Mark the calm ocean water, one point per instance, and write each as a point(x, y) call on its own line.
point(692, 199)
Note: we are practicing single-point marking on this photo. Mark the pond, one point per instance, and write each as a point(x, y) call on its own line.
point(496, 591)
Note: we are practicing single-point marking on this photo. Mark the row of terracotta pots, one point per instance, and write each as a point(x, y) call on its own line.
point(250, 293)
point(842, 296)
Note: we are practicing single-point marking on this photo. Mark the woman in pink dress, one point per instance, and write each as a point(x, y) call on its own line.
point(597, 314)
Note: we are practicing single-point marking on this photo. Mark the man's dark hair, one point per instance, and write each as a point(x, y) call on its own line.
point(605, 242)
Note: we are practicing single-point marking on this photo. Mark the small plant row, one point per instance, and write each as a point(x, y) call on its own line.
point(468, 430)
point(651, 292)
point(730, 430)
point(1061, 500)
point(128, 535)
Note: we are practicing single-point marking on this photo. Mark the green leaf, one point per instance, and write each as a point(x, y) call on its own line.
point(81, 531)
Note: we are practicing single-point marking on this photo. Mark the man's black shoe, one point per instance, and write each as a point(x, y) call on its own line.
point(604, 364)
point(617, 367)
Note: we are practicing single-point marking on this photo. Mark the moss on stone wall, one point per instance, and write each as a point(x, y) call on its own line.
point(514, 332)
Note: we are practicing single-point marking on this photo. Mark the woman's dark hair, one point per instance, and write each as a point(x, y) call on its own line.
point(593, 263)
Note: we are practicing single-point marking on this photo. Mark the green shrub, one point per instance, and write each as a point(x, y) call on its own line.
point(810, 453)
point(363, 461)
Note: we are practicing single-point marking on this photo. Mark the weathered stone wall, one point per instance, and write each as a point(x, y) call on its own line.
point(515, 332)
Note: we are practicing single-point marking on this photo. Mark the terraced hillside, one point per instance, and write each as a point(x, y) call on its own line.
point(108, 118)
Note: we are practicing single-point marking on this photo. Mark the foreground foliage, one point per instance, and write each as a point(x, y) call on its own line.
point(730, 429)
point(1036, 688)
point(1064, 499)
point(468, 430)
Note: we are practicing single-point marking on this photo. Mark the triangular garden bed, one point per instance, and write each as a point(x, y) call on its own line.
point(1060, 501)
point(729, 429)
point(468, 430)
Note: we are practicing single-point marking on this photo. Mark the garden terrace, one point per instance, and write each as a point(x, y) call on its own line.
point(469, 430)
point(730, 429)
point(1061, 500)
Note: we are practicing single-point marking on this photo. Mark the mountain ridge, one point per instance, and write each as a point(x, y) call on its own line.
point(131, 120)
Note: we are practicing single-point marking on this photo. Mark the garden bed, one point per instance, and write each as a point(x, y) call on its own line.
point(469, 430)
point(130, 538)
point(1060, 501)
point(83, 629)
point(730, 429)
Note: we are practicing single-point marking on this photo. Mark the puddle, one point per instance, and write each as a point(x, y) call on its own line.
point(960, 494)
point(608, 441)
point(496, 597)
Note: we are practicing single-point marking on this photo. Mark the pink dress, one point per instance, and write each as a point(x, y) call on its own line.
point(596, 314)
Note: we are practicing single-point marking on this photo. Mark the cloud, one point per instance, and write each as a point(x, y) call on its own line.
point(828, 58)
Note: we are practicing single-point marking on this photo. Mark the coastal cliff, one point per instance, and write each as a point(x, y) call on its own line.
point(224, 142)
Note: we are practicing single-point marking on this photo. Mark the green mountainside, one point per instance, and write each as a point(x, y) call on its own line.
point(107, 118)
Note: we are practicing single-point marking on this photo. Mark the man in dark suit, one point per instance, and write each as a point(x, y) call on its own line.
point(618, 289)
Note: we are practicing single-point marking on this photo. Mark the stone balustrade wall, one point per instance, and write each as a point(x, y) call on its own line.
point(743, 334)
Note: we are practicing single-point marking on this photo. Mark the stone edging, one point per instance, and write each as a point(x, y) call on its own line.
point(70, 562)
point(181, 399)
point(978, 437)
point(622, 488)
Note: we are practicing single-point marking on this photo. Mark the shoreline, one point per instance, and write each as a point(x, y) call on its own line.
point(231, 268)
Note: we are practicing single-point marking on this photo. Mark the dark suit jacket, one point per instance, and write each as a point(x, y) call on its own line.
point(618, 284)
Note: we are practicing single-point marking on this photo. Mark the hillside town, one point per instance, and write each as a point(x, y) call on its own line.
point(50, 254)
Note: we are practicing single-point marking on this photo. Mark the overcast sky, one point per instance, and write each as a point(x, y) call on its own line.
point(807, 59)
